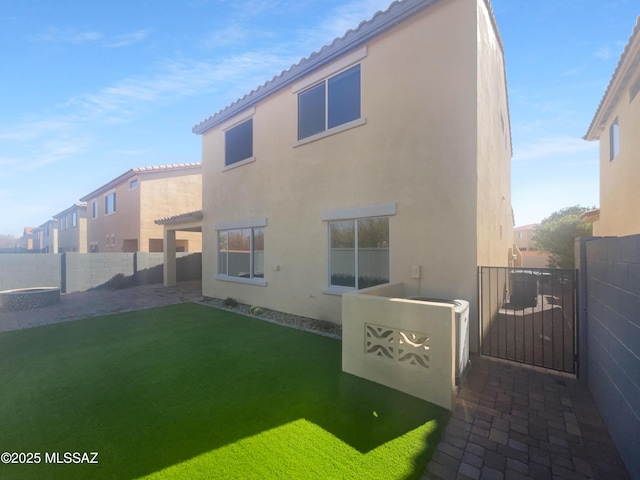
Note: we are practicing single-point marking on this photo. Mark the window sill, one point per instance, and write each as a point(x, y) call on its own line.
point(331, 131)
point(239, 164)
point(261, 282)
point(339, 291)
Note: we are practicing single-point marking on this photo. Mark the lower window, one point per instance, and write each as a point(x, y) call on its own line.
point(359, 252)
point(241, 253)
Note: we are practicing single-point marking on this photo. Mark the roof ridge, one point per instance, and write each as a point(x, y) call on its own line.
point(138, 170)
point(396, 12)
point(635, 32)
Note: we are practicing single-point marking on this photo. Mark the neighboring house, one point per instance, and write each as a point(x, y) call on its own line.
point(46, 240)
point(383, 157)
point(122, 213)
point(72, 229)
point(531, 257)
point(25, 242)
point(616, 125)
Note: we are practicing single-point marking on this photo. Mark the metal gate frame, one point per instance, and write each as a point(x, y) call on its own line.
point(529, 315)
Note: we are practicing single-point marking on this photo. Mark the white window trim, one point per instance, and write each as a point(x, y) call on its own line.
point(367, 211)
point(238, 119)
point(353, 213)
point(261, 282)
point(239, 164)
point(260, 222)
point(331, 131)
point(319, 75)
point(240, 224)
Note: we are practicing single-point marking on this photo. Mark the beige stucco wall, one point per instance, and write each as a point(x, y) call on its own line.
point(375, 320)
point(120, 225)
point(165, 194)
point(70, 238)
point(159, 194)
point(619, 192)
point(495, 219)
point(416, 151)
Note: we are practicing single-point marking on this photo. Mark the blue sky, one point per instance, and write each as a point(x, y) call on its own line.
point(90, 89)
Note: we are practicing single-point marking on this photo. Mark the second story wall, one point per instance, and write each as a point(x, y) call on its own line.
point(495, 218)
point(114, 226)
point(165, 194)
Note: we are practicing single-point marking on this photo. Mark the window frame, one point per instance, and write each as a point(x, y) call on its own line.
point(325, 83)
point(614, 139)
point(252, 226)
point(106, 204)
point(387, 210)
point(95, 209)
point(74, 219)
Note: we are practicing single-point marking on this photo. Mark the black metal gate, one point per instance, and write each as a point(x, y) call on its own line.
point(528, 315)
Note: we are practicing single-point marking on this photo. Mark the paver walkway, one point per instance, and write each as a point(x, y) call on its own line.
point(512, 421)
point(102, 301)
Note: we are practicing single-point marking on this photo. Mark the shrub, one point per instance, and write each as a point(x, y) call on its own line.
point(119, 281)
point(230, 302)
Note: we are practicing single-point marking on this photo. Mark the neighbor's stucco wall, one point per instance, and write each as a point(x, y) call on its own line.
point(70, 238)
point(619, 192)
point(109, 231)
point(495, 219)
point(165, 194)
point(416, 150)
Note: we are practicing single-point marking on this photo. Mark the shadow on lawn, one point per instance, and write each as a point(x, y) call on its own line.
point(152, 389)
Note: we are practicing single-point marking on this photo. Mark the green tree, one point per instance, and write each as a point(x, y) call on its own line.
point(556, 234)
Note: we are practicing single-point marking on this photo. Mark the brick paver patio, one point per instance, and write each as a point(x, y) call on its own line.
point(512, 421)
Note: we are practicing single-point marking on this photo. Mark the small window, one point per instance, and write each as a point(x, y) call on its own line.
point(614, 140)
point(95, 209)
point(74, 219)
point(329, 104)
point(133, 184)
point(110, 203)
point(241, 253)
point(359, 252)
point(238, 144)
point(635, 88)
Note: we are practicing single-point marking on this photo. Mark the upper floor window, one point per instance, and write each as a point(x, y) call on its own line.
point(133, 184)
point(95, 209)
point(110, 203)
point(238, 143)
point(63, 223)
point(614, 140)
point(74, 219)
point(330, 103)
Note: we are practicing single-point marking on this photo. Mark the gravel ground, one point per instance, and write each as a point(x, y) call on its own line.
point(321, 327)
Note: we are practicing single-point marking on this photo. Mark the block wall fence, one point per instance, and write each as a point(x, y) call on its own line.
point(609, 336)
point(76, 272)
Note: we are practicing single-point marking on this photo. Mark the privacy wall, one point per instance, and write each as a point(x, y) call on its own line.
point(610, 292)
point(76, 272)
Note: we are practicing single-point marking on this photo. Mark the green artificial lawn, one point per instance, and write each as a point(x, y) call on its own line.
point(189, 391)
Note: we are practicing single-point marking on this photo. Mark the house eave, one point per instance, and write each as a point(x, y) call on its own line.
point(628, 63)
point(138, 172)
point(382, 21)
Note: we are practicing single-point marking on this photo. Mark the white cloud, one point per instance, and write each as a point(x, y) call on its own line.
point(57, 35)
point(127, 39)
point(553, 147)
point(346, 17)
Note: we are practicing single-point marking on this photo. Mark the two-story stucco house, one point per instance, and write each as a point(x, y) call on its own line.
point(46, 237)
point(616, 125)
point(121, 214)
point(72, 229)
point(383, 157)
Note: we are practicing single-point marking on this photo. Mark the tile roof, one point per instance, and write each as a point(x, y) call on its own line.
point(382, 20)
point(621, 76)
point(183, 217)
point(140, 171)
